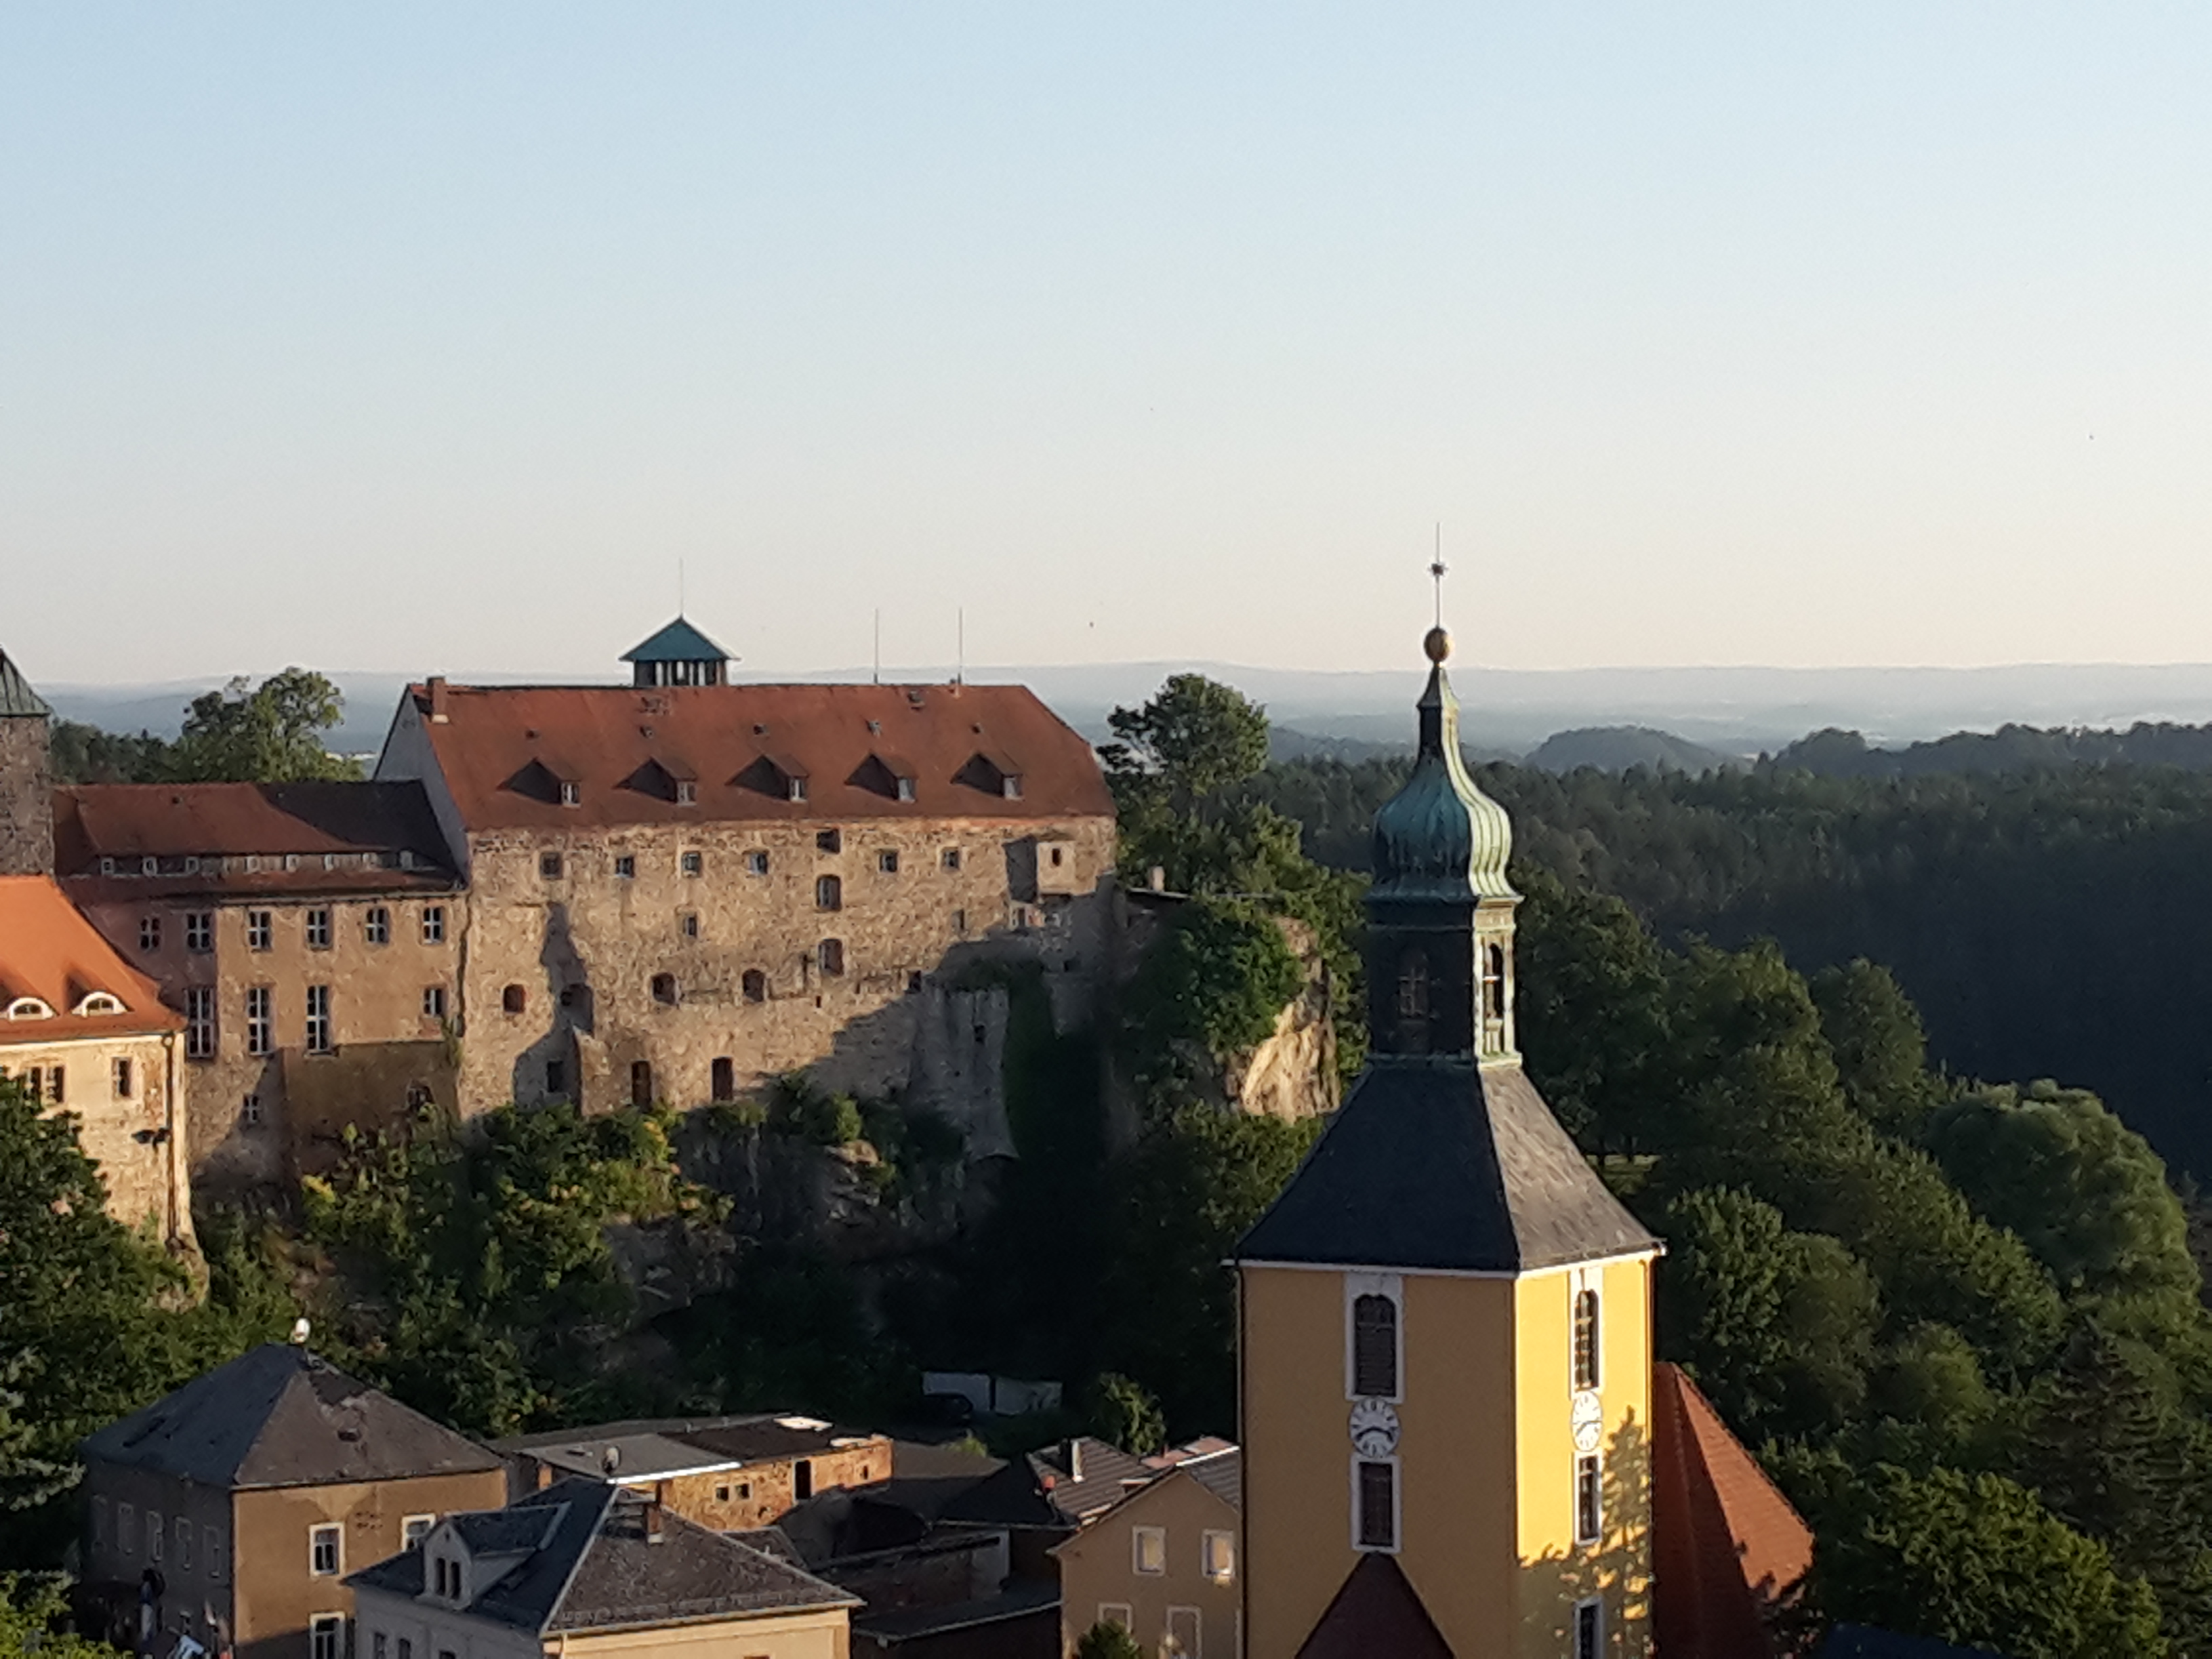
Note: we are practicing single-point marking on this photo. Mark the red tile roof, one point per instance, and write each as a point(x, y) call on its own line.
point(506, 751)
point(1377, 1612)
point(305, 838)
point(49, 952)
point(1729, 1549)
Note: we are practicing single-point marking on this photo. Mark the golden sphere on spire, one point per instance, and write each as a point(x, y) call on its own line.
point(1437, 644)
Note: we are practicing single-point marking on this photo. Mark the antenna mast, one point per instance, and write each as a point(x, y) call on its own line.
point(878, 667)
point(960, 671)
point(1437, 573)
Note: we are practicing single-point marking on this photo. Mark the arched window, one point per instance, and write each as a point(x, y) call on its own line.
point(1493, 983)
point(1413, 1000)
point(829, 893)
point(1374, 1347)
point(723, 1086)
point(641, 1084)
point(513, 999)
point(755, 984)
point(664, 989)
point(830, 955)
point(1587, 1336)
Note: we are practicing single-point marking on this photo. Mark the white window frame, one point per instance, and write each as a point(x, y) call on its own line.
point(1168, 1642)
point(376, 925)
point(317, 927)
point(1390, 1286)
point(434, 1002)
point(1595, 1606)
point(319, 1038)
point(1590, 1281)
point(414, 1529)
point(336, 1533)
point(1205, 1543)
point(1397, 1505)
point(260, 930)
point(1138, 1536)
point(756, 862)
point(1595, 1463)
point(200, 1035)
point(1118, 1612)
point(260, 1019)
point(434, 924)
point(199, 932)
point(156, 1537)
point(329, 1624)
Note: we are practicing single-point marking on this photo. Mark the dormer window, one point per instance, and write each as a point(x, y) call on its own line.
point(98, 1002)
point(29, 1008)
point(994, 774)
point(107, 866)
point(572, 795)
point(687, 793)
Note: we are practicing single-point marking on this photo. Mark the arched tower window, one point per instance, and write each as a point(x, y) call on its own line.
point(1493, 997)
point(1375, 1348)
point(1587, 1336)
point(1413, 1000)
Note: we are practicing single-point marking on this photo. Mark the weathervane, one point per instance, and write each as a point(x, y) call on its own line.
point(1439, 643)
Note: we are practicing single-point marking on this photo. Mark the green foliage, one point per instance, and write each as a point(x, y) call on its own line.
point(269, 734)
point(78, 753)
point(1211, 986)
point(799, 1107)
point(1109, 1640)
point(1978, 1561)
point(1881, 1050)
point(2086, 1194)
point(34, 1621)
point(480, 1265)
point(1194, 738)
point(1123, 1412)
point(791, 1328)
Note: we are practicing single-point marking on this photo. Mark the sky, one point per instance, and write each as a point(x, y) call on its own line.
point(441, 338)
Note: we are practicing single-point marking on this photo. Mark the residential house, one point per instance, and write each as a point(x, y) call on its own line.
point(85, 1033)
point(311, 935)
point(1043, 1496)
point(583, 1568)
point(729, 1474)
point(681, 889)
point(1163, 1562)
point(232, 1509)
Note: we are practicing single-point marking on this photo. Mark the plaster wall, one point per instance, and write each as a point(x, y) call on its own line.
point(146, 1176)
point(742, 1495)
point(1098, 1568)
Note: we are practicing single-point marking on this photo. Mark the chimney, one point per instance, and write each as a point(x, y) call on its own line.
point(609, 1460)
point(653, 1530)
point(1075, 1460)
point(435, 685)
point(1156, 878)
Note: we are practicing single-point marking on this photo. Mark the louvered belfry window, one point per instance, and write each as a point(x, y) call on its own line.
point(1375, 1348)
point(1586, 1339)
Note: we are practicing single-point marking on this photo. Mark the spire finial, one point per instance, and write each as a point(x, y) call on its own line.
point(1439, 643)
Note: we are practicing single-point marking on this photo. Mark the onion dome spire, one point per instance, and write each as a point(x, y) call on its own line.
point(1440, 837)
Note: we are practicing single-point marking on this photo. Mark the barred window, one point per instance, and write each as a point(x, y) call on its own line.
point(376, 925)
point(318, 1020)
point(260, 1026)
point(258, 932)
point(434, 924)
point(199, 1022)
point(199, 932)
point(319, 929)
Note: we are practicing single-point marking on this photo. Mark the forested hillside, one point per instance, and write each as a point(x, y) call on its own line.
point(2047, 923)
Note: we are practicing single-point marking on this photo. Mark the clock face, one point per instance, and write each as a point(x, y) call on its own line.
point(1374, 1428)
point(1589, 1419)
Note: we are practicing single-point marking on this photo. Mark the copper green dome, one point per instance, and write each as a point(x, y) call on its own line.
point(1440, 837)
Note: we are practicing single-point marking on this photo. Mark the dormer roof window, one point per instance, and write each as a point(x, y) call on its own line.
point(778, 775)
point(888, 776)
point(30, 1008)
point(98, 1002)
point(995, 772)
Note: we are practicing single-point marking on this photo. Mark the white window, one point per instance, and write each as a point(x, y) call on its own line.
point(1218, 1556)
point(199, 932)
point(56, 1089)
point(260, 935)
point(326, 1551)
point(125, 1082)
point(1183, 1633)
point(260, 1028)
point(1589, 1628)
point(1374, 1335)
point(326, 1636)
point(150, 932)
point(199, 1022)
point(434, 1002)
point(1115, 1613)
point(572, 795)
point(319, 929)
point(693, 864)
point(434, 924)
point(1374, 1503)
point(1148, 1549)
point(1590, 1499)
point(318, 1020)
point(415, 1528)
point(756, 863)
point(376, 925)
point(107, 866)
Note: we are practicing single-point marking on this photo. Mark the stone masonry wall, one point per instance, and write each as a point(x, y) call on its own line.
point(27, 813)
point(580, 950)
point(120, 1133)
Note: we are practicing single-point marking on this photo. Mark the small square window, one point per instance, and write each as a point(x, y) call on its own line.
point(319, 929)
point(887, 861)
point(150, 934)
point(326, 1551)
point(829, 841)
point(663, 990)
point(258, 932)
point(249, 1110)
point(690, 924)
point(199, 932)
point(548, 866)
point(687, 793)
point(951, 858)
point(693, 864)
point(434, 924)
point(414, 1529)
point(571, 795)
point(376, 925)
point(125, 1080)
point(434, 1002)
point(1148, 1549)
point(625, 868)
point(721, 1494)
point(107, 866)
point(757, 863)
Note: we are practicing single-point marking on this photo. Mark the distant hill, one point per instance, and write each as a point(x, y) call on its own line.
point(1839, 754)
point(1618, 748)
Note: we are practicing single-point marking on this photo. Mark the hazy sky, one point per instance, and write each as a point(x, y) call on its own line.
point(426, 337)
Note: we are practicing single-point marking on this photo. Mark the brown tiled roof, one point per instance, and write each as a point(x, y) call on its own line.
point(1730, 1552)
point(49, 952)
point(304, 838)
point(500, 747)
point(1376, 1612)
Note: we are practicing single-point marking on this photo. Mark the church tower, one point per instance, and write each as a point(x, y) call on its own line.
point(27, 789)
point(1445, 1321)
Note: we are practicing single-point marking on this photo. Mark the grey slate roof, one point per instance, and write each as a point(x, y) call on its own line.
point(280, 1416)
point(1436, 1164)
point(16, 697)
point(595, 1570)
point(677, 643)
point(1222, 1475)
point(1036, 1490)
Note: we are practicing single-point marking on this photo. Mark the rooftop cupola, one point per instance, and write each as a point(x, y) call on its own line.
point(1440, 912)
point(679, 654)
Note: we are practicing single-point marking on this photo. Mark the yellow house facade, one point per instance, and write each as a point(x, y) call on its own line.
point(1164, 1563)
point(1446, 1341)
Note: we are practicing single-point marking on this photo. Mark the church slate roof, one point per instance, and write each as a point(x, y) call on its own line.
point(16, 697)
point(1434, 1164)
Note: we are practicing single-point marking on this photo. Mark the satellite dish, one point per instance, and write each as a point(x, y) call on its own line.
point(300, 1328)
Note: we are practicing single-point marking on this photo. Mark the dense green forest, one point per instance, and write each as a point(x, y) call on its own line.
point(2047, 922)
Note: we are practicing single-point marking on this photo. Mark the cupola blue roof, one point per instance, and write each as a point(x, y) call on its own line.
point(677, 643)
point(1440, 837)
